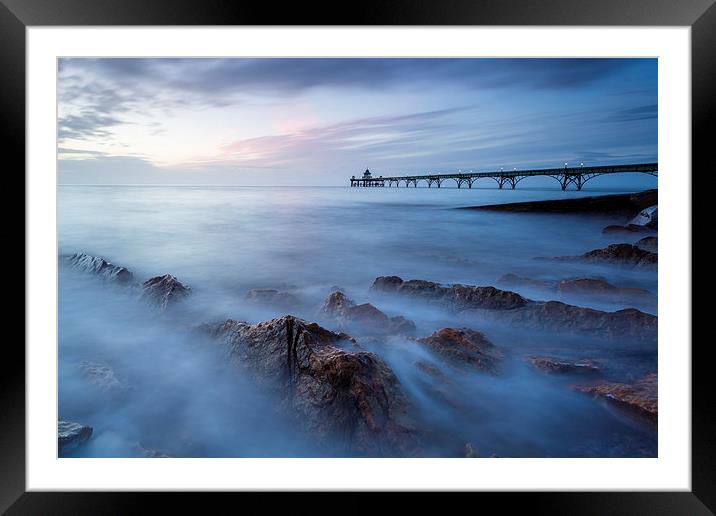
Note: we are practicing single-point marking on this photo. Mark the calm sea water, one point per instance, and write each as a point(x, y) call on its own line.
point(182, 398)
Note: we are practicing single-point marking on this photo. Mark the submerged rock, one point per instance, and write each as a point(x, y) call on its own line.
point(465, 346)
point(272, 297)
point(99, 266)
point(459, 297)
point(620, 254)
point(100, 375)
point(163, 290)
point(351, 397)
point(365, 317)
point(555, 365)
point(650, 243)
point(640, 397)
point(71, 434)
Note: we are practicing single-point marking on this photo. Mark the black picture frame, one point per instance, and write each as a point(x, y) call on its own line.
point(700, 15)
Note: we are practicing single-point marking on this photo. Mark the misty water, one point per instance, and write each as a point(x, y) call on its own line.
point(177, 394)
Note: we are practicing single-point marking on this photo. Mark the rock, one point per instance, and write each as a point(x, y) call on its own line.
point(513, 280)
point(621, 254)
point(163, 290)
point(365, 317)
point(276, 298)
point(649, 243)
point(554, 365)
point(640, 398)
point(647, 217)
point(628, 228)
point(458, 297)
point(100, 375)
point(465, 346)
point(624, 204)
point(351, 397)
point(71, 434)
point(99, 266)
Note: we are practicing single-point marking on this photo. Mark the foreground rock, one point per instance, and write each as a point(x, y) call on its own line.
point(625, 204)
point(555, 365)
point(458, 297)
point(272, 297)
point(162, 291)
point(640, 398)
point(619, 254)
point(465, 347)
point(101, 267)
point(650, 243)
point(365, 317)
point(71, 434)
point(350, 397)
point(509, 308)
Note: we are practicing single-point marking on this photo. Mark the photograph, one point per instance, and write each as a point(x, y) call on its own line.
point(357, 257)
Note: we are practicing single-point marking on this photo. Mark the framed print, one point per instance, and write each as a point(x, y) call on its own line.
point(418, 249)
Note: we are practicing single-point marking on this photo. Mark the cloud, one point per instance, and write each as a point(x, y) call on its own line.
point(637, 113)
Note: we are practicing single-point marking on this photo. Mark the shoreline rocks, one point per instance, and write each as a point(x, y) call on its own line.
point(464, 346)
point(162, 291)
point(618, 254)
point(101, 267)
point(71, 434)
point(272, 297)
point(335, 394)
point(640, 397)
point(650, 243)
point(554, 365)
point(365, 317)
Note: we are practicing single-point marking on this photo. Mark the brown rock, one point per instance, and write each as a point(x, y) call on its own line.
point(163, 290)
point(365, 317)
point(336, 394)
point(272, 297)
point(640, 397)
point(459, 297)
point(465, 346)
point(513, 280)
point(621, 254)
point(554, 365)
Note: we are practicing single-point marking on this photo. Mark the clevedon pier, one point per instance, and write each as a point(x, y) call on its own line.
point(574, 176)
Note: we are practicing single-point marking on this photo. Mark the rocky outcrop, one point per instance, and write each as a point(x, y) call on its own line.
point(352, 397)
point(100, 375)
point(640, 397)
point(555, 365)
point(272, 297)
point(363, 318)
point(71, 434)
point(457, 297)
point(99, 266)
point(464, 346)
point(619, 254)
point(594, 287)
point(650, 243)
point(623, 204)
point(162, 291)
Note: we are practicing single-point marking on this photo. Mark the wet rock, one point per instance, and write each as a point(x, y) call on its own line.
point(622, 229)
point(649, 243)
point(352, 397)
point(619, 254)
point(164, 290)
point(272, 297)
point(555, 365)
point(101, 267)
point(459, 297)
point(640, 397)
point(465, 346)
point(365, 317)
point(71, 434)
point(100, 375)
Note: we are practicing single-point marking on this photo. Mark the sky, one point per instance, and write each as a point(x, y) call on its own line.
point(302, 121)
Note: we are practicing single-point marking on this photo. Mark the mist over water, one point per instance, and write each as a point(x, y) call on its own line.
point(179, 395)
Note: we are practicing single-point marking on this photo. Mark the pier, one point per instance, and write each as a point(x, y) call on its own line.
point(566, 176)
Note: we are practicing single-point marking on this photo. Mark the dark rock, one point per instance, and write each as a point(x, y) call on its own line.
point(628, 228)
point(625, 204)
point(71, 434)
point(458, 297)
point(465, 346)
point(163, 290)
point(649, 243)
point(621, 254)
point(275, 298)
point(365, 317)
point(640, 398)
point(353, 397)
point(513, 280)
point(555, 365)
point(99, 266)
